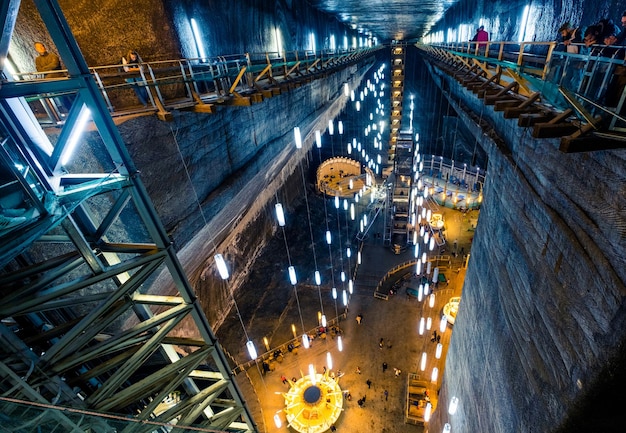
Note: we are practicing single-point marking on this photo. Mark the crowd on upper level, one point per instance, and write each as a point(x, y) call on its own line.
point(601, 38)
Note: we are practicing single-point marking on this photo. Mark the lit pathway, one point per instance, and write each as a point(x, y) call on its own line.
point(396, 321)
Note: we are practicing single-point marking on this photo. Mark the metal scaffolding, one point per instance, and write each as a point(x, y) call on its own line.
point(80, 248)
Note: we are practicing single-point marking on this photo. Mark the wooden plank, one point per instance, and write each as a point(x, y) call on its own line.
point(552, 130)
point(516, 112)
point(502, 105)
point(491, 100)
point(529, 119)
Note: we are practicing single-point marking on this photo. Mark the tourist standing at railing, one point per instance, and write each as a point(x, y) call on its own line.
point(47, 61)
point(132, 63)
point(481, 36)
point(570, 36)
point(618, 81)
point(593, 37)
point(620, 38)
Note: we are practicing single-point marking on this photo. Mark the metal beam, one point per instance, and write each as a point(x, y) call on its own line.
point(141, 333)
point(129, 367)
point(98, 319)
point(160, 383)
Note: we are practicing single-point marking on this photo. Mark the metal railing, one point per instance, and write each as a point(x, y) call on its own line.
point(184, 83)
point(586, 82)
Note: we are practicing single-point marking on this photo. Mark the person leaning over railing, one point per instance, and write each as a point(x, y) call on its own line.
point(618, 81)
point(570, 36)
point(132, 63)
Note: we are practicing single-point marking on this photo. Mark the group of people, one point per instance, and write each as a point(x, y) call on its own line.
point(595, 37)
point(603, 38)
point(48, 62)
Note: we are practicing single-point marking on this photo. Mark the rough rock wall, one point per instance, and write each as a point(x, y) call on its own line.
point(502, 19)
point(104, 30)
point(215, 177)
point(249, 26)
point(160, 30)
point(542, 324)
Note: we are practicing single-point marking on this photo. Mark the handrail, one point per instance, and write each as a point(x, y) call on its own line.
point(543, 68)
point(188, 82)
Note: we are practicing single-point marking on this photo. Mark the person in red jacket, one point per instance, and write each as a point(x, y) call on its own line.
point(481, 36)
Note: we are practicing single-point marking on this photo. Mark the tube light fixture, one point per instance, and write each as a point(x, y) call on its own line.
point(77, 131)
point(280, 215)
point(221, 266)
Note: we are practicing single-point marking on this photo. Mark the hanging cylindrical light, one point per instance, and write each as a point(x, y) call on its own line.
point(305, 341)
point(337, 202)
point(428, 267)
point(342, 276)
point(424, 257)
point(318, 278)
point(277, 421)
point(331, 128)
point(280, 215)
point(426, 289)
point(328, 237)
point(427, 412)
point(334, 292)
point(423, 362)
point(429, 323)
point(352, 211)
point(432, 243)
point(431, 300)
point(438, 350)
point(340, 127)
point(251, 349)
point(221, 266)
point(348, 252)
point(345, 204)
point(358, 106)
point(420, 292)
point(318, 139)
point(418, 267)
point(443, 323)
point(454, 404)
point(436, 274)
point(358, 257)
point(434, 375)
point(339, 343)
point(292, 275)
point(298, 137)
point(312, 373)
point(421, 327)
point(416, 250)
point(350, 286)
point(346, 89)
point(324, 320)
point(344, 296)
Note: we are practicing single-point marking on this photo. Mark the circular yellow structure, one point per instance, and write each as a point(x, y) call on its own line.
point(451, 309)
point(313, 406)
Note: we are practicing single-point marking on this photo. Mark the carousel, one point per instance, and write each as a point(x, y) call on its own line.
point(313, 403)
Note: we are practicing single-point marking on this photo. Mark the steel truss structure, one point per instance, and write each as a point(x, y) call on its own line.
point(80, 248)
